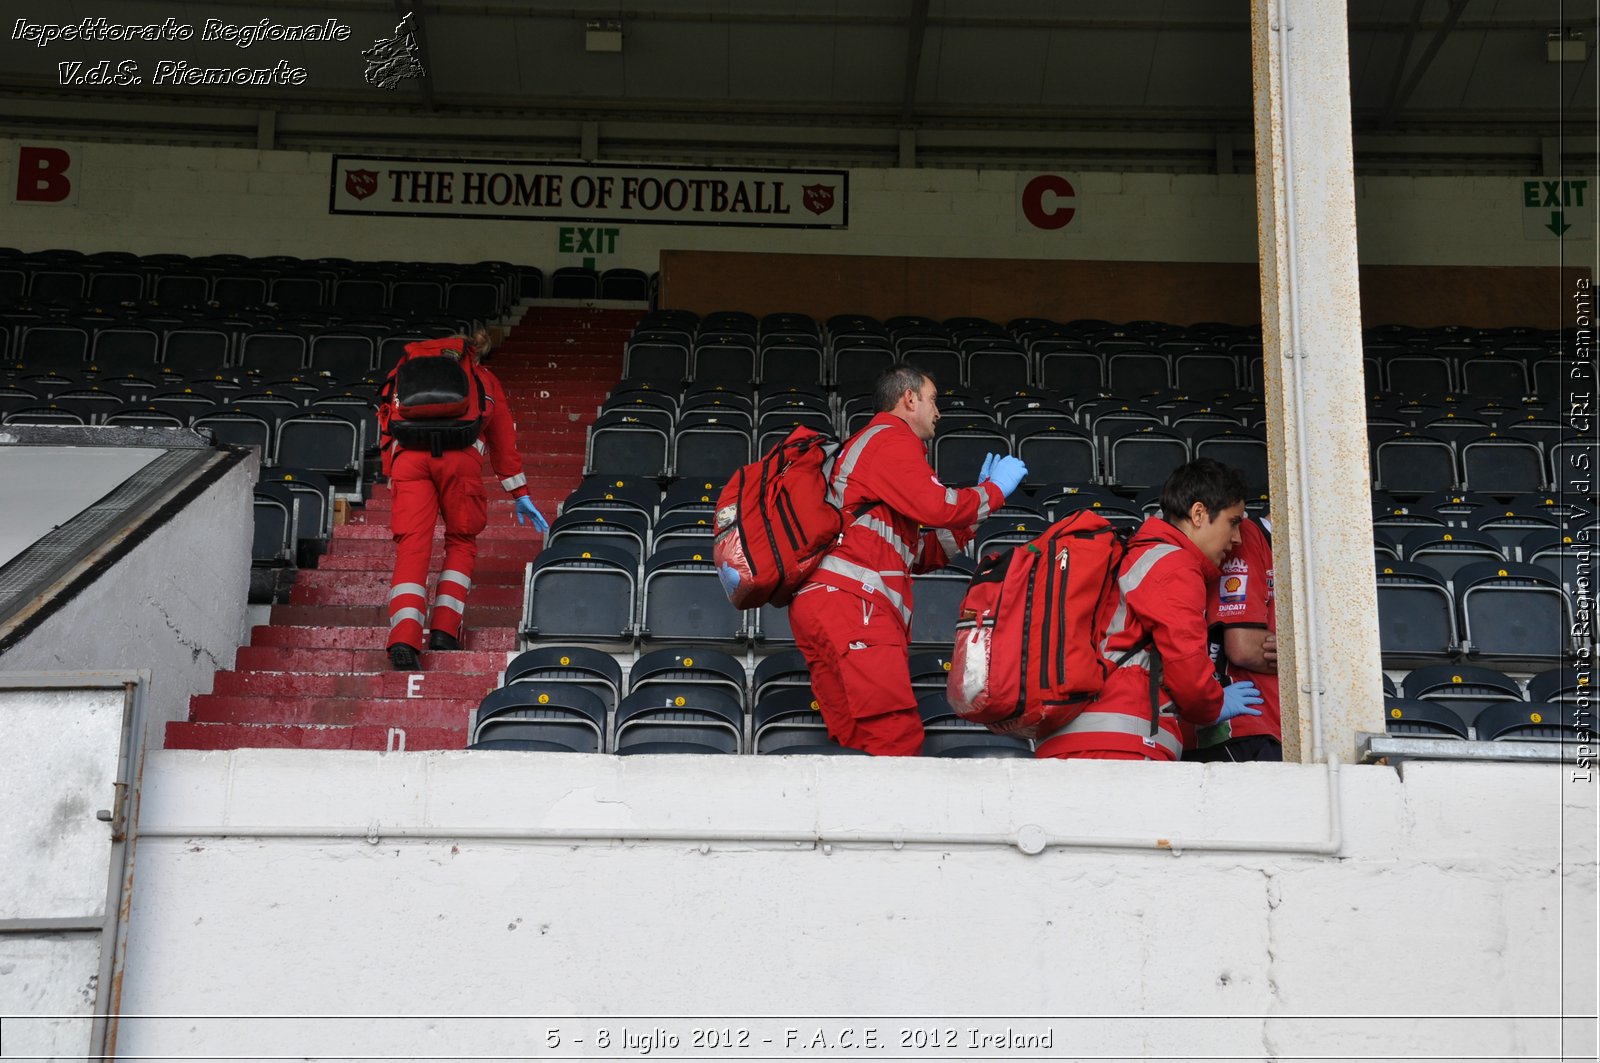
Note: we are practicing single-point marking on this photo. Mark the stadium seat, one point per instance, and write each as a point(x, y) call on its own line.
point(1560, 685)
point(1500, 465)
point(930, 672)
point(936, 599)
point(582, 666)
point(997, 368)
point(1447, 550)
point(785, 720)
point(1057, 452)
point(1536, 723)
point(605, 492)
point(1422, 719)
point(1069, 367)
point(998, 533)
point(1464, 688)
point(624, 444)
point(1140, 456)
point(788, 363)
point(53, 347)
point(682, 718)
point(1243, 448)
point(563, 714)
point(728, 359)
point(1408, 463)
point(1513, 614)
point(1137, 372)
point(684, 601)
point(1416, 615)
point(340, 355)
point(323, 441)
point(118, 350)
point(653, 357)
point(275, 517)
point(578, 593)
point(1562, 554)
point(947, 735)
point(958, 452)
point(190, 352)
point(695, 666)
point(711, 445)
point(241, 428)
point(272, 352)
point(632, 285)
point(574, 282)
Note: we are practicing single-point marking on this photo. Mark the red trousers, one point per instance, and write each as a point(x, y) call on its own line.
point(424, 488)
point(856, 650)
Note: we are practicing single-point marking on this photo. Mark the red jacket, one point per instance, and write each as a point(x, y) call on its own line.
point(1244, 596)
point(498, 439)
point(886, 463)
point(1166, 584)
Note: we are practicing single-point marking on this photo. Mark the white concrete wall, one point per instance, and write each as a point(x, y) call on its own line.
point(1460, 890)
point(175, 605)
point(214, 200)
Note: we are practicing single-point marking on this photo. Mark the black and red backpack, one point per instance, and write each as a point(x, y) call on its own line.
point(433, 402)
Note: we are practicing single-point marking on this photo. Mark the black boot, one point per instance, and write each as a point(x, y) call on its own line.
point(404, 658)
point(442, 640)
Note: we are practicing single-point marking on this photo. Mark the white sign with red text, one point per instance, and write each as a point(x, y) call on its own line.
point(573, 192)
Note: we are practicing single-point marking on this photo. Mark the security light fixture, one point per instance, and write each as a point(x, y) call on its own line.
point(1566, 46)
point(602, 35)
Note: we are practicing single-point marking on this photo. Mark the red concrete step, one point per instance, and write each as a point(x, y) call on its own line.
point(378, 615)
point(185, 735)
point(368, 638)
point(346, 545)
point(339, 712)
point(502, 509)
point(310, 659)
point(359, 686)
point(488, 569)
point(376, 589)
point(493, 533)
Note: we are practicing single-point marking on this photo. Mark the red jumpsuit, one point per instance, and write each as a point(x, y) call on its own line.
point(852, 619)
point(1244, 597)
point(452, 485)
point(1165, 582)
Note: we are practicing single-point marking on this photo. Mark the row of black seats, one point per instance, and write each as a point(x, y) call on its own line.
point(693, 700)
point(1499, 613)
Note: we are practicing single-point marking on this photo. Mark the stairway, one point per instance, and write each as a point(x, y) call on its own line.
point(318, 677)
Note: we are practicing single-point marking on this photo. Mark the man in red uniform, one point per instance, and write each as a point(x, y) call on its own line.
point(452, 485)
point(852, 619)
point(1159, 630)
point(1244, 645)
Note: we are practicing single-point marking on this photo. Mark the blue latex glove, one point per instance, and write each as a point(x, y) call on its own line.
point(988, 464)
point(1006, 473)
point(527, 511)
point(729, 577)
point(1239, 699)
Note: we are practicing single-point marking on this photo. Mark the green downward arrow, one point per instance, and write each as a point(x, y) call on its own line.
point(1556, 225)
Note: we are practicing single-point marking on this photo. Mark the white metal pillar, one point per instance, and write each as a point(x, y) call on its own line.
point(1328, 662)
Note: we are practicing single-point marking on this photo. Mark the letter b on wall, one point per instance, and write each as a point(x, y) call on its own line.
point(42, 175)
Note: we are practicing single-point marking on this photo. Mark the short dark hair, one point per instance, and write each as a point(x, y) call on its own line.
point(896, 380)
point(1206, 481)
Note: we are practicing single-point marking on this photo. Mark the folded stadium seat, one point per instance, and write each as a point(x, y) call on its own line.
point(1029, 328)
point(721, 396)
point(323, 440)
point(624, 444)
point(1136, 371)
point(1448, 550)
point(1545, 429)
point(936, 600)
point(581, 593)
point(1057, 453)
point(574, 282)
point(272, 542)
point(1140, 456)
point(1509, 527)
point(114, 287)
point(1385, 546)
point(998, 533)
point(180, 290)
point(314, 526)
point(581, 666)
point(711, 445)
point(944, 364)
point(235, 291)
point(1421, 719)
point(632, 285)
point(653, 408)
point(303, 291)
point(1497, 374)
point(54, 411)
point(1399, 521)
point(49, 382)
point(1064, 499)
point(1513, 615)
point(783, 670)
point(1548, 372)
point(361, 294)
point(272, 352)
point(1099, 416)
point(1562, 555)
point(858, 364)
point(194, 351)
point(930, 671)
point(1465, 689)
point(1416, 615)
point(997, 367)
point(1560, 685)
point(1389, 689)
point(57, 287)
point(959, 450)
point(342, 356)
point(1417, 374)
point(791, 360)
point(790, 322)
point(1498, 464)
point(947, 735)
point(683, 527)
point(776, 425)
point(549, 717)
point(1575, 468)
point(359, 404)
point(690, 498)
point(479, 299)
point(666, 317)
point(13, 285)
point(1068, 366)
point(117, 350)
point(684, 718)
point(655, 356)
point(1455, 426)
point(1203, 371)
point(677, 666)
point(417, 295)
point(53, 347)
point(787, 722)
point(1408, 463)
point(1021, 413)
point(1453, 507)
point(241, 428)
point(613, 529)
point(1243, 448)
point(284, 402)
point(1569, 512)
point(683, 600)
point(144, 415)
point(612, 491)
point(1564, 723)
point(530, 282)
point(730, 321)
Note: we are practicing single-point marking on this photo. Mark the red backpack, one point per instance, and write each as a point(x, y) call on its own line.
point(432, 402)
point(1027, 654)
point(774, 521)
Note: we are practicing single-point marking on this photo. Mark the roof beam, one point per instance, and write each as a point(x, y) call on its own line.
point(916, 31)
point(1396, 102)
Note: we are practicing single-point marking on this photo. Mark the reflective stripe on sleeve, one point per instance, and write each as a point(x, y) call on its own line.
point(511, 483)
point(1119, 723)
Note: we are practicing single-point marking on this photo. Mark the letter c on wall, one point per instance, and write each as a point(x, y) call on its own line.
point(42, 175)
point(1033, 207)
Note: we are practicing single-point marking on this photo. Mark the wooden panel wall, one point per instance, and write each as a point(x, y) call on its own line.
point(1178, 292)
